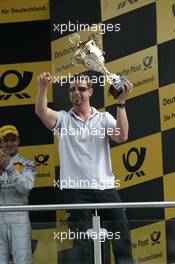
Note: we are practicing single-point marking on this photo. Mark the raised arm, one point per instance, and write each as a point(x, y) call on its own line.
point(122, 120)
point(46, 114)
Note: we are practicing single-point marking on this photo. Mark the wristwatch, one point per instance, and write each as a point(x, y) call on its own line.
point(121, 105)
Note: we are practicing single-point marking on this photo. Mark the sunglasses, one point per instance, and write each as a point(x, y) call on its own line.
point(80, 89)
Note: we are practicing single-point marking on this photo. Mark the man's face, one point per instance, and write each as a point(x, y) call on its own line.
point(79, 93)
point(9, 144)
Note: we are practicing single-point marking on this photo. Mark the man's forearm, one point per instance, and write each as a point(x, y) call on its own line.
point(42, 110)
point(122, 126)
point(41, 102)
point(46, 114)
point(122, 123)
point(122, 120)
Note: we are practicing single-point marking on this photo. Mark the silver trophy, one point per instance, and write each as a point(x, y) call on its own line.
point(91, 56)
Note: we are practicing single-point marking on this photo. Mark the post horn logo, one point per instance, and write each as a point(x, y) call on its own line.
point(147, 62)
point(23, 82)
point(155, 237)
point(134, 169)
point(41, 159)
point(123, 3)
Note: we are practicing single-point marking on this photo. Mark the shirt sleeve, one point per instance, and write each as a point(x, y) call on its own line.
point(60, 116)
point(23, 181)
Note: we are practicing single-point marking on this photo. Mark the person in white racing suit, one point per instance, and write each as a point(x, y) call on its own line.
point(17, 175)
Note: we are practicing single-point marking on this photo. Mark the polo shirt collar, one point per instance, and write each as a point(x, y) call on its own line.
point(94, 111)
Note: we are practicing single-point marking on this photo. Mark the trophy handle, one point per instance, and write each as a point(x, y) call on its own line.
point(74, 60)
point(95, 37)
point(74, 39)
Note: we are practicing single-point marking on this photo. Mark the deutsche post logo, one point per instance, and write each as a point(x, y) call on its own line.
point(41, 159)
point(134, 169)
point(147, 62)
point(155, 237)
point(23, 82)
